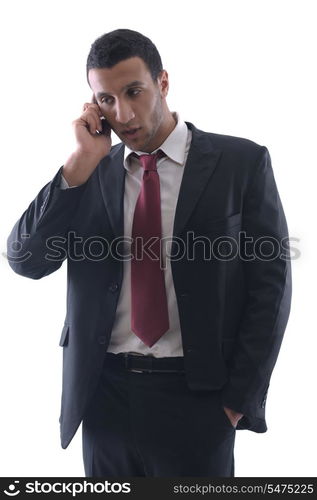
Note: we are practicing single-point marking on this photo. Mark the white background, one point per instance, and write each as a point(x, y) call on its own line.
point(239, 67)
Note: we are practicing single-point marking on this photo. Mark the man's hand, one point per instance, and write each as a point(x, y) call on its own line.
point(91, 146)
point(233, 416)
point(86, 129)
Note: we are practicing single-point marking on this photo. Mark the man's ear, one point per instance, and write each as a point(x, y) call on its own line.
point(162, 81)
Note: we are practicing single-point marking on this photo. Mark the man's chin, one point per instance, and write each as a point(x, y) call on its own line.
point(134, 145)
point(137, 143)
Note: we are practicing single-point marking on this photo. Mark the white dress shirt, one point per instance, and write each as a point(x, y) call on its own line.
point(170, 170)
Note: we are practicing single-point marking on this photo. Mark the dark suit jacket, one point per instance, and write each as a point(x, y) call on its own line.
point(233, 310)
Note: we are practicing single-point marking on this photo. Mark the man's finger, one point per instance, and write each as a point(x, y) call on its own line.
point(88, 105)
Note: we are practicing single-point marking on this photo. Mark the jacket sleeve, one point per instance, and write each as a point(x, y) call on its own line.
point(268, 285)
point(37, 243)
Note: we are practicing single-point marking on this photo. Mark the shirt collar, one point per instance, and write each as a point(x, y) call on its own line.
point(174, 145)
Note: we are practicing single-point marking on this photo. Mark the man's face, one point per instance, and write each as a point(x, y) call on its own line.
point(132, 102)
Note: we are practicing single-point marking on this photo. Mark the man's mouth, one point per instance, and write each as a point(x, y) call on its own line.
point(131, 132)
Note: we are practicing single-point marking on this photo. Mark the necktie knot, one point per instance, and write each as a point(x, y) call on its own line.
point(148, 162)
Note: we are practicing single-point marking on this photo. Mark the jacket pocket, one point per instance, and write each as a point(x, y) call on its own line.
point(221, 224)
point(64, 337)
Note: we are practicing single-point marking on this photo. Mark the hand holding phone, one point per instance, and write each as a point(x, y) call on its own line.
point(92, 131)
point(106, 129)
point(93, 138)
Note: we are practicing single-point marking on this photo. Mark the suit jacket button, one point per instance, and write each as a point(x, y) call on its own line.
point(113, 287)
point(102, 339)
point(184, 297)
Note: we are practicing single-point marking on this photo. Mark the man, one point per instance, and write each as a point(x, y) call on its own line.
point(179, 278)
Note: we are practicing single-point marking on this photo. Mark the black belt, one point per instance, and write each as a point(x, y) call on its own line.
point(149, 364)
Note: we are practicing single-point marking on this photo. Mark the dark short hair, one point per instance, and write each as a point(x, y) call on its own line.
point(121, 44)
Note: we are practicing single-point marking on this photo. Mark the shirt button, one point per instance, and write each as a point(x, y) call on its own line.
point(113, 287)
point(102, 339)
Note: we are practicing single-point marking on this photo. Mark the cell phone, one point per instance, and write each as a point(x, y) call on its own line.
point(105, 127)
point(104, 123)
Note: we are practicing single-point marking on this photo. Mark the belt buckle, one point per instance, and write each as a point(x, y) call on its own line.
point(149, 359)
point(126, 361)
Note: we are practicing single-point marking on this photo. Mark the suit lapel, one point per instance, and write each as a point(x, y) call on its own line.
point(200, 165)
point(111, 178)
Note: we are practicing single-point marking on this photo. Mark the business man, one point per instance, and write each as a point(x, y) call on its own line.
point(179, 278)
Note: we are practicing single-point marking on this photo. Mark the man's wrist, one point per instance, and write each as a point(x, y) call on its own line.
point(78, 168)
point(64, 184)
point(234, 416)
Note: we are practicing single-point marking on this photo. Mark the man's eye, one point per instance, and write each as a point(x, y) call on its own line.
point(107, 100)
point(134, 92)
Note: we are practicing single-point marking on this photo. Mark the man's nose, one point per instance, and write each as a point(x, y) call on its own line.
point(124, 113)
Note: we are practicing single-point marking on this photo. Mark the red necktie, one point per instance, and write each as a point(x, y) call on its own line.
point(149, 317)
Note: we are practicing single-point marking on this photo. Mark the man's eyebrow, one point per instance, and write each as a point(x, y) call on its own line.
point(129, 85)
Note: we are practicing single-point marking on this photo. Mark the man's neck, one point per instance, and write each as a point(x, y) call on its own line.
point(169, 126)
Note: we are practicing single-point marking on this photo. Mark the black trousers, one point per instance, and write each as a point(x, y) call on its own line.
point(151, 424)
